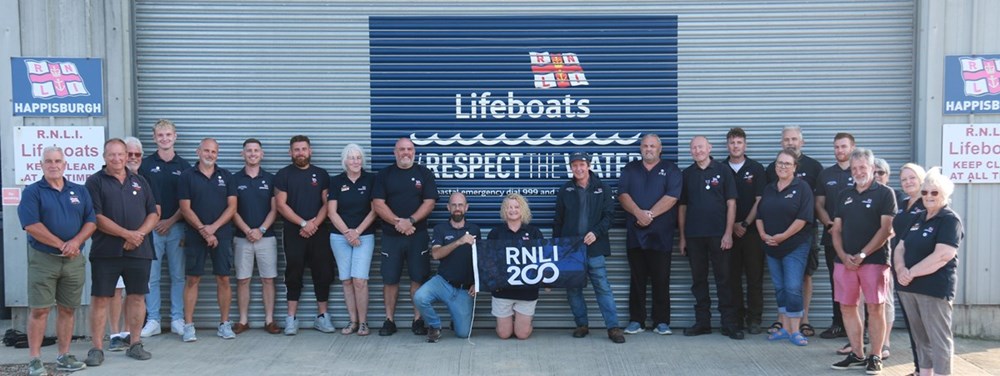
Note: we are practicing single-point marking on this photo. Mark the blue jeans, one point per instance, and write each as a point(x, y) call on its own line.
point(787, 274)
point(598, 273)
point(168, 245)
point(458, 301)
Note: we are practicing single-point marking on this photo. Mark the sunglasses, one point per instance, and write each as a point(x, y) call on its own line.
point(932, 193)
point(135, 155)
point(880, 173)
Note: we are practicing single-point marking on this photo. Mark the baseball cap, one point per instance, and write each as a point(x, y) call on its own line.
point(579, 156)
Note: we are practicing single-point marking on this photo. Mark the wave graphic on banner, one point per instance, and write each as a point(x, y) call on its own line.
point(525, 139)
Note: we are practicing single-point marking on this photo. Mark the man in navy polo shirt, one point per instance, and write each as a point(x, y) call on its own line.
point(861, 227)
point(833, 180)
point(747, 255)
point(126, 215)
point(453, 285)
point(300, 191)
point(207, 201)
point(255, 213)
point(705, 221)
point(648, 190)
point(162, 169)
point(403, 197)
point(58, 216)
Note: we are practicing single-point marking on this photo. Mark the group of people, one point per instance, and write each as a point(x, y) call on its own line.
point(733, 215)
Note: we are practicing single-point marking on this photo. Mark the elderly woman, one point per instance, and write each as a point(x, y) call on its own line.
point(926, 260)
point(350, 211)
point(909, 206)
point(514, 308)
point(785, 213)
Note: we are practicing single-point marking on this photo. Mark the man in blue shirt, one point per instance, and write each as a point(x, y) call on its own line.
point(648, 190)
point(454, 283)
point(58, 216)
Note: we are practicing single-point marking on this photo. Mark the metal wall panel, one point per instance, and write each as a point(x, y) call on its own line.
point(234, 69)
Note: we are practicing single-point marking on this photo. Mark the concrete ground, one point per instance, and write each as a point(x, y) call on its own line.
point(547, 352)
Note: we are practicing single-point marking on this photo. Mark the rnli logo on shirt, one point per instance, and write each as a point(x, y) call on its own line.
point(929, 230)
point(831, 183)
point(222, 183)
point(748, 177)
point(599, 191)
point(314, 181)
point(155, 170)
point(416, 183)
point(557, 70)
point(263, 186)
point(916, 226)
point(362, 188)
point(449, 238)
point(136, 186)
point(867, 202)
point(570, 189)
point(800, 175)
point(73, 199)
point(850, 182)
point(848, 201)
point(525, 236)
point(661, 173)
point(791, 195)
point(241, 187)
point(709, 183)
point(344, 188)
point(178, 172)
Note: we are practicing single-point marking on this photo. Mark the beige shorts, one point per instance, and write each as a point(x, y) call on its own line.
point(265, 251)
point(506, 307)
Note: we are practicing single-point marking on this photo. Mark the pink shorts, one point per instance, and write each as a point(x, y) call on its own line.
point(870, 279)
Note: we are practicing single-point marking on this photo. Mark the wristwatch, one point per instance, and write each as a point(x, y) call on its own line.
point(262, 229)
point(744, 224)
point(303, 223)
point(862, 255)
point(412, 221)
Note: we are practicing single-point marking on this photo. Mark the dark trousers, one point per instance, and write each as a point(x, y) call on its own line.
point(747, 258)
point(831, 254)
point(702, 252)
point(652, 265)
point(314, 252)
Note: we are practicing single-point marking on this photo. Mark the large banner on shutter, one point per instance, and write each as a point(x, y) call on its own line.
point(495, 104)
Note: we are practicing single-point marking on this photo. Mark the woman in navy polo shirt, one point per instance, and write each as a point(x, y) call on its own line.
point(784, 222)
point(515, 308)
point(925, 261)
point(909, 206)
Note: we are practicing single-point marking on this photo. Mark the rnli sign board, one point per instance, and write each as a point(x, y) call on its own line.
point(82, 150)
point(57, 87)
point(496, 104)
point(970, 153)
point(972, 84)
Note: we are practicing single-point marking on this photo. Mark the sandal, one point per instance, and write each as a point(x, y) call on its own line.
point(798, 339)
point(845, 350)
point(774, 328)
point(363, 329)
point(779, 335)
point(350, 328)
point(807, 330)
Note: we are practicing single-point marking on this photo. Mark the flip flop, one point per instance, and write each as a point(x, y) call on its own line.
point(775, 327)
point(807, 330)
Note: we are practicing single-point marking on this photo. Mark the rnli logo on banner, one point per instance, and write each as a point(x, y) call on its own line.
point(57, 87)
point(55, 79)
point(981, 76)
point(972, 84)
point(557, 70)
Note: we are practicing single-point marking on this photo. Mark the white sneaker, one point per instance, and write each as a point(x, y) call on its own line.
point(291, 326)
point(323, 324)
point(226, 330)
point(177, 327)
point(151, 328)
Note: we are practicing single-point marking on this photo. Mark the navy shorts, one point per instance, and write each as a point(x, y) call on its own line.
point(415, 249)
point(196, 251)
point(104, 273)
point(812, 262)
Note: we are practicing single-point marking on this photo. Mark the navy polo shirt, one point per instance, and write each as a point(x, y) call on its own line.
point(354, 199)
point(457, 266)
point(525, 232)
point(645, 188)
point(304, 188)
point(779, 209)
point(126, 203)
point(162, 176)
point(750, 182)
point(705, 193)
point(208, 194)
point(921, 238)
point(62, 212)
point(253, 198)
point(404, 191)
point(860, 215)
point(832, 180)
point(905, 216)
point(808, 171)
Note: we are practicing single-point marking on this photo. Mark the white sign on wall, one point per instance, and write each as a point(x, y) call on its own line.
point(82, 147)
point(970, 153)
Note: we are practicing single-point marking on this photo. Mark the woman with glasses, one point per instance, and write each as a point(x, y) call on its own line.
point(926, 260)
point(785, 215)
point(909, 206)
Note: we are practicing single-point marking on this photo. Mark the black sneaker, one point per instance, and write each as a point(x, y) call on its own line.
point(835, 331)
point(753, 327)
point(735, 334)
point(851, 361)
point(697, 330)
point(433, 335)
point(874, 365)
point(137, 352)
point(388, 328)
point(419, 328)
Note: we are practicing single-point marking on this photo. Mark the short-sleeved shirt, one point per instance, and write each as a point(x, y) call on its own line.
point(253, 198)
point(705, 193)
point(525, 232)
point(208, 194)
point(354, 199)
point(921, 239)
point(832, 180)
point(860, 215)
point(808, 171)
point(404, 191)
point(779, 209)
point(62, 212)
point(457, 266)
point(905, 216)
point(304, 188)
point(163, 177)
point(645, 187)
point(750, 182)
point(126, 203)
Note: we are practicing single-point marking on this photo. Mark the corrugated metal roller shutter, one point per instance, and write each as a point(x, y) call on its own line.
point(235, 69)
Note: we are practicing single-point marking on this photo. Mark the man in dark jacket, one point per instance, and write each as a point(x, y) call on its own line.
point(584, 207)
